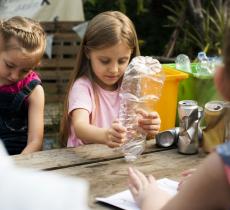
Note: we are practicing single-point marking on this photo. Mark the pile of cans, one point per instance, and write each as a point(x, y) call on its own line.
point(198, 127)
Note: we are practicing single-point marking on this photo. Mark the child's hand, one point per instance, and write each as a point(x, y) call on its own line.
point(115, 136)
point(145, 190)
point(150, 122)
point(184, 177)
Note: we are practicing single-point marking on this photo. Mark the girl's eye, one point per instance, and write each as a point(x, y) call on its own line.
point(122, 61)
point(9, 66)
point(23, 72)
point(105, 61)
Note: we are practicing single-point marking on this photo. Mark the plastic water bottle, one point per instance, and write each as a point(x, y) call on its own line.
point(202, 66)
point(183, 63)
point(140, 89)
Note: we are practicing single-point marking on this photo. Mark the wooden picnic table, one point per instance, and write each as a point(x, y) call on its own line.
point(106, 169)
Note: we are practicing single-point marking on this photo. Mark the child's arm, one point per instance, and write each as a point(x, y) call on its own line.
point(185, 175)
point(206, 189)
point(150, 122)
point(35, 120)
point(113, 136)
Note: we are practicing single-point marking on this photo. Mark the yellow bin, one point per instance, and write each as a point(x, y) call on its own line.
point(167, 105)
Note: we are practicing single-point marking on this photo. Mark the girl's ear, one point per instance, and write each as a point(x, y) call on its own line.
point(222, 82)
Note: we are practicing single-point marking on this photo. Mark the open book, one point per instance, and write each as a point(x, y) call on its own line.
point(124, 200)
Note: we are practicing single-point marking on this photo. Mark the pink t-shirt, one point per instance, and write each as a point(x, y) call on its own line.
point(82, 97)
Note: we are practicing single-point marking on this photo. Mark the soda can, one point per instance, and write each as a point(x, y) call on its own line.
point(214, 119)
point(167, 138)
point(187, 111)
point(188, 134)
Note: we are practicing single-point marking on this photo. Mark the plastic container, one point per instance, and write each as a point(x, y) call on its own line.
point(167, 105)
point(141, 85)
point(197, 87)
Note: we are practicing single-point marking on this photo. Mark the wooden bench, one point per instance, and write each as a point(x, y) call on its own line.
point(55, 71)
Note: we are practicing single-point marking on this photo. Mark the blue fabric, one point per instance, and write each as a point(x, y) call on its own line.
point(224, 151)
point(14, 118)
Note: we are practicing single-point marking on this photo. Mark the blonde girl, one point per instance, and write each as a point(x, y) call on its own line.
point(92, 103)
point(22, 44)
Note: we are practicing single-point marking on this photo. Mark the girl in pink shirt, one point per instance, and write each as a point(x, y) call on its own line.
point(22, 44)
point(92, 103)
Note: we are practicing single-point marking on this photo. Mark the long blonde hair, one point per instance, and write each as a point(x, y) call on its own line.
point(104, 30)
point(28, 33)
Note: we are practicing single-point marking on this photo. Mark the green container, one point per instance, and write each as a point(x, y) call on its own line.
point(200, 88)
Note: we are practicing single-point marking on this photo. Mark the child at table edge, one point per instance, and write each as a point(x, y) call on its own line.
point(22, 44)
point(209, 186)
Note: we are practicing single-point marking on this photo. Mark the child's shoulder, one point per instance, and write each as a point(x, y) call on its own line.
point(14, 88)
point(82, 81)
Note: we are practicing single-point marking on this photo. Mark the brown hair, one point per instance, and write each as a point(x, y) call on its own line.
point(104, 30)
point(29, 34)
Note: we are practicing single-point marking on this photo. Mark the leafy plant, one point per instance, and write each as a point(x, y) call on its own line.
point(204, 34)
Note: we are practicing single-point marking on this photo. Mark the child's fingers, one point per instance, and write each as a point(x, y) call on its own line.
point(116, 140)
point(185, 176)
point(118, 127)
point(134, 179)
point(145, 114)
point(116, 135)
point(143, 179)
point(113, 144)
point(133, 189)
point(150, 121)
point(150, 126)
point(188, 172)
point(153, 115)
point(151, 179)
point(142, 112)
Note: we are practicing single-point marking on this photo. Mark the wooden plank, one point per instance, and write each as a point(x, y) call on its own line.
point(56, 98)
point(63, 26)
point(71, 37)
point(69, 157)
point(58, 75)
point(109, 177)
point(54, 89)
point(57, 63)
point(63, 50)
point(55, 71)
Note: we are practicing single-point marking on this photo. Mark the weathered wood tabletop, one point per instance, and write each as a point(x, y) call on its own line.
point(106, 170)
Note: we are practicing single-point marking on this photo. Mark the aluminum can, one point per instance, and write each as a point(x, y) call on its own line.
point(188, 134)
point(214, 119)
point(167, 138)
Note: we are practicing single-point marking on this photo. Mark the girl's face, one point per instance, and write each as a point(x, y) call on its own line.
point(14, 66)
point(109, 64)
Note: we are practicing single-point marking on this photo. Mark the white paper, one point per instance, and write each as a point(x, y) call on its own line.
point(124, 199)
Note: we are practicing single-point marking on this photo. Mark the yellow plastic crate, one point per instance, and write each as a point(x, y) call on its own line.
point(167, 105)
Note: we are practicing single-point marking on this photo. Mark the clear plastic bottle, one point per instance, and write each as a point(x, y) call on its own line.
point(183, 63)
point(140, 89)
point(202, 65)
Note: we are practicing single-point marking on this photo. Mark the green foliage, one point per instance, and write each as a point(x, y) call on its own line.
point(193, 39)
point(148, 17)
